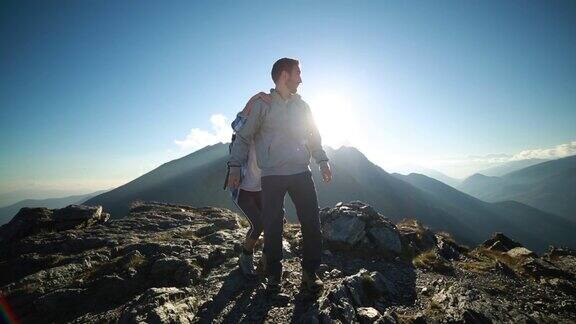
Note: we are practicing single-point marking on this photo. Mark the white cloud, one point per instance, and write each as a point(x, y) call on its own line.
point(462, 167)
point(477, 159)
point(199, 138)
point(559, 151)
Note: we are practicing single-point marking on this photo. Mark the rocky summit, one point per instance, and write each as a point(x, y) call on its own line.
point(179, 264)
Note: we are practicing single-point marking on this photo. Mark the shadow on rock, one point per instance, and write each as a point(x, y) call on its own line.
point(235, 301)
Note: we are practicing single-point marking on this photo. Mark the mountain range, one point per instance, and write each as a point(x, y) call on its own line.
point(197, 179)
point(549, 186)
point(33, 191)
point(511, 166)
point(435, 174)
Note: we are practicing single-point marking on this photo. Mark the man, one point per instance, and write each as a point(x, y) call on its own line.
point(285, 137)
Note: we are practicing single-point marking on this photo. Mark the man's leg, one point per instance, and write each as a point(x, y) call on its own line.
point(303, 194)
point(273, 192)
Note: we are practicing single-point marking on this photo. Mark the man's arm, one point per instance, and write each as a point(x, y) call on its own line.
point(314, 139)
point(315, 146)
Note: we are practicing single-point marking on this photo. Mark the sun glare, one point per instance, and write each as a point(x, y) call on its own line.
point(335, 119)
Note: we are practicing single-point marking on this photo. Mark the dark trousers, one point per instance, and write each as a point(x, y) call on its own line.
point(250, 202)
point(302, 191)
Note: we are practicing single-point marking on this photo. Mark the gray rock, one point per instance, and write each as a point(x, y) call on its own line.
point(346, 229)
point(367, 315)
point(539, 268)
point(30, 221)
point(386, 238)
point(448, 249)
point(171, 264)
point(354, 298)
point(174, 271)
point(79, 213)
point(356, 225)
point(415, 237)
point(52, 302)
point(500, 242)
point(346, 311)
point(161, 305)
point(48, 280)
point(520, 252)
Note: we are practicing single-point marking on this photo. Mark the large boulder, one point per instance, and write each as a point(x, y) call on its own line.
point(357, 298)
point(78, 216)
point(448, 248)
point(500, 242)
point(415, 237)
point(357, 226)
point(30, 221)
point(345, 229)
point(368, 315)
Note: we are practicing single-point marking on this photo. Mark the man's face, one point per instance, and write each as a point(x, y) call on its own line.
point(294, 79)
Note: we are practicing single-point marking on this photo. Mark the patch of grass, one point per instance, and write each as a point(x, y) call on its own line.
point(513, 263)
point(410, 247)
point(434, 309)
point(431, 261)
point(369, 285)
point(413, 224)
point(477, 266)
point(134, 261)
point(416, 238)
point(485, 260)
point(243, 222)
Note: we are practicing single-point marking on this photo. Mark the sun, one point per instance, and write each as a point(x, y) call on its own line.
point(334, 118)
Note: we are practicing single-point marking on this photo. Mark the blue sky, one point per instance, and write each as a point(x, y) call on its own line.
point(96, 93)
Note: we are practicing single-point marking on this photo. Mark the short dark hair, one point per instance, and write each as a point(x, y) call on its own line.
point(283, 64)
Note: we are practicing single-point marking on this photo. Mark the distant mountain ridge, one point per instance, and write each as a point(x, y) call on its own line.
point(549, 186)
point(434, 174)
point(6, 213)
point(525, 223)
point(38, 193)
point(508, 167)
point(197, 179)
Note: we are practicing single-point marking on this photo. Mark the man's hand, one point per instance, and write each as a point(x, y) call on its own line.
point(260, 95)
point(326, 172)
point(234, 178)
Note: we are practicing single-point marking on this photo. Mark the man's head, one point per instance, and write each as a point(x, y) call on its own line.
point(286, 72)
